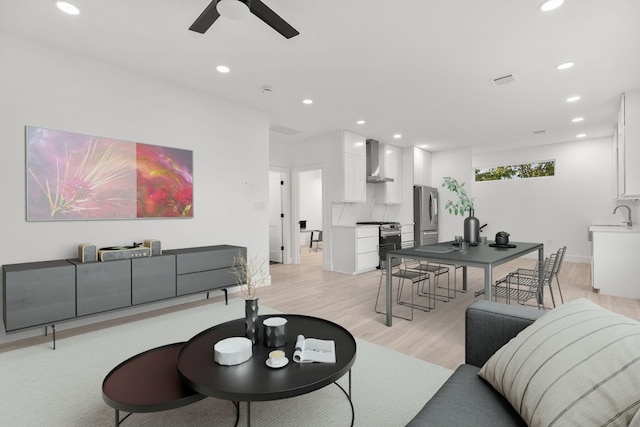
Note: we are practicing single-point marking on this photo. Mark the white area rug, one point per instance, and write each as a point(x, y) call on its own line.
point(43, 387)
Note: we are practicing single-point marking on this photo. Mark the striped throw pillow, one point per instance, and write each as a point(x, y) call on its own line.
point(577, 365)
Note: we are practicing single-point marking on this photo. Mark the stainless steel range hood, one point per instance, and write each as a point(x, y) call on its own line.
point(373, 163)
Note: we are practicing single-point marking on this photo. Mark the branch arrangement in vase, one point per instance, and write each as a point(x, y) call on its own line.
point(250, 274)
point(464, 203)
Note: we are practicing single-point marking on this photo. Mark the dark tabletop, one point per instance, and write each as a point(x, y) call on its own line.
point(479, 255)
point(148, 382)
point(253, 380)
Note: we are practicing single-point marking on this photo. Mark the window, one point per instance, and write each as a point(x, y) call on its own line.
point(527, 170)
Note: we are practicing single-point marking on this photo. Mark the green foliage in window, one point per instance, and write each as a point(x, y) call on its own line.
point(528, 170)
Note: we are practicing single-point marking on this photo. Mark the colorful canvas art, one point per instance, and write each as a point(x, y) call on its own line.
point(72, 176)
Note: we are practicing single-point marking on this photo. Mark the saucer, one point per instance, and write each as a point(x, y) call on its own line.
point(279, 364)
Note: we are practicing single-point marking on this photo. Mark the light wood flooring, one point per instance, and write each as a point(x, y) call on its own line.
point(436, 336)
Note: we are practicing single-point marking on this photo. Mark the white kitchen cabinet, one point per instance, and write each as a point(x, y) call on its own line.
point(628, 146)
point(614, 263)
point(355, 249)
point(390, 193)
point(354, 167)
point(407, 238)
point(366, 248)
point(421, 167)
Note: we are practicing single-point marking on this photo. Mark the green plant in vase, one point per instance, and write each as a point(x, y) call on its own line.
point(464, 203)
point(462, 206)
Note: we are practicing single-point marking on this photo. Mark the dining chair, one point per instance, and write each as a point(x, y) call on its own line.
point(435, 270)
point(317, 241)
point(555, 265)
point(524, 285)
point(399, 270)
point(556, 271)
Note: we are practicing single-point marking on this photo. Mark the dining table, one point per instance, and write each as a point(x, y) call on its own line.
point(482, 255)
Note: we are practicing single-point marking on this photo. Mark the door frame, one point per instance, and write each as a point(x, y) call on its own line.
point(295, 210)
point(286, 210)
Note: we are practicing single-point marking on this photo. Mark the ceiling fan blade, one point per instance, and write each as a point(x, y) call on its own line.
point(206, 18)
point(272, 19)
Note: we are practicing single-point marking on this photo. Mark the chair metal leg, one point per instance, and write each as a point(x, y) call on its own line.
point(559, 288)
point(427, 307)
point(553, 300)
point(375, 308)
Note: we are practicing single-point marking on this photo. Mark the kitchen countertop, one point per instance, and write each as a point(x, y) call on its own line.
point(614, 228)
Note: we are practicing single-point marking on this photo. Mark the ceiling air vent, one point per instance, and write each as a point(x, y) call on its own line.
point(504, 80)
point(539, 132)
point(284, 130)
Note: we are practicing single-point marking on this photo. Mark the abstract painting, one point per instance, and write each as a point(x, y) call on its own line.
point(71, 176)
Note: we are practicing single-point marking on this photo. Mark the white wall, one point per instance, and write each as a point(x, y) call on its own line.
point(49, 88)
point(456, 164)
point(555, 211)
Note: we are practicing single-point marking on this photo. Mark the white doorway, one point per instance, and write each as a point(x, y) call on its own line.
point(279, 190)
point(310, 211)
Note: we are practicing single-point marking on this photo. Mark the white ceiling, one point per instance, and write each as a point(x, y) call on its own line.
point(422, 68)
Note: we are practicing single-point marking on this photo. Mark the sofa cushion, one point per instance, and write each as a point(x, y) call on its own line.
point(466, 400)
point(579, 364)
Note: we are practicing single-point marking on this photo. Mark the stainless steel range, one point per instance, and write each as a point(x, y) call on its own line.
point(389, 232)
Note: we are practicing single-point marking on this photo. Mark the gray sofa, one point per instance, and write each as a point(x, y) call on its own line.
point(465, 399)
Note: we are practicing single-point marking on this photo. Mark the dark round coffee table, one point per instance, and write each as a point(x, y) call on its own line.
point(148, 382)
point(252, 380)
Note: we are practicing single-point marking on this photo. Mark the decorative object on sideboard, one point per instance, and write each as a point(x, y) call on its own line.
point(250, 275)
point(463, 205)
point(154, 245)
point(111, 253)
point(87, 252)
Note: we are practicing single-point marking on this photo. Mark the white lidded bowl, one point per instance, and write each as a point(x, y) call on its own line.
point(232, 351)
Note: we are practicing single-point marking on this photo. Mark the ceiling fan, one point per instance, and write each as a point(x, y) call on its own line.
point(236, 9)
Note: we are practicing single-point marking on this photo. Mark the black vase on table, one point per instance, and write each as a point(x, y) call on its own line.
point(251, 319)
point(471, 229)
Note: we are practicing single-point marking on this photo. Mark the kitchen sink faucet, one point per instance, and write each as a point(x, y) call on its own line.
point(628, 222)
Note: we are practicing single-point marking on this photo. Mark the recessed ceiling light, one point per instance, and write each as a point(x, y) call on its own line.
point(565, 66)
point(397, 136)
point(223, 69)
point(573, 98)
point(307, 101)
point(68, 8)
point(360, 122)
point(581, 135)
point(548, 5)
point(578, 119)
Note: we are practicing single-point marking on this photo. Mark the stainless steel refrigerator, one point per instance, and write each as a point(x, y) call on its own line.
point(425, 215)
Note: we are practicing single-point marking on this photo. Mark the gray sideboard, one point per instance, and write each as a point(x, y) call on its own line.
point(205, 268)
point(48, 292)
point(38, 293)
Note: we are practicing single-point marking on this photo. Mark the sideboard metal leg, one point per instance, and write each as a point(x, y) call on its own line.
point(53, 330)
